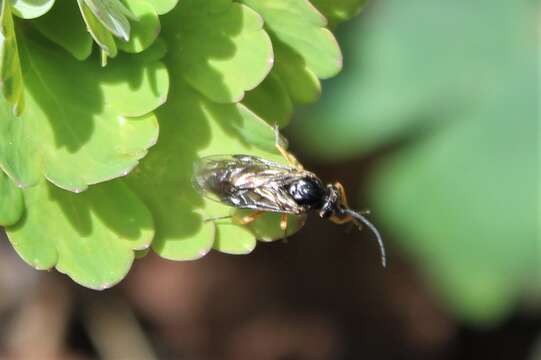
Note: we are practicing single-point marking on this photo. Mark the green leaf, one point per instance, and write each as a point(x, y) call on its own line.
point(268, 228)
point(88, 133)
point(462, 101)
point(302, 84)
point(192, 127)
point(145, 30)
point(30, 9)
point(84, 124)
point(99, 33)
point(91, 237)
point(209, 47)
point(475, 225)
point(72, 35)
point(391, 89)
point(11, 201)
point(11, 79)
point(337, 11)
point(220, 47)
point(113, 15)
point(270, 101)
point(305, 50)
point(298, 25)
point(163, 6)
point(139, 254)
point(234, 239)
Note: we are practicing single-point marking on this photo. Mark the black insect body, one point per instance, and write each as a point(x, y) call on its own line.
point(308, 192)
point(250, 182)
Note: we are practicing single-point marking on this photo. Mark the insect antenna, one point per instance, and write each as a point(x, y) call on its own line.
point(365, 221)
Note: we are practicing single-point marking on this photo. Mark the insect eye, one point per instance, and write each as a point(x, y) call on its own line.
point(307, 192)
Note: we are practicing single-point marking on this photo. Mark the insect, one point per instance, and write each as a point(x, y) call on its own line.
point(250, 182)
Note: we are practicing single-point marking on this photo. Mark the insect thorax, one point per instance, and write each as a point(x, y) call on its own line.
point(307, 191)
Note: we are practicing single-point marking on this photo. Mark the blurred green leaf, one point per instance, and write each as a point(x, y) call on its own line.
point(30, 9)
point(11, 203)
point(86, 133)
point(460, 93)
point(304, 49)
point(91, 237)
point(72, 35)
point(220, 47)
point(396, 87)
point(461, 203)
point(11, 79)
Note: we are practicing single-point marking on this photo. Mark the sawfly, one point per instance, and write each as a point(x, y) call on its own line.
point(250, 182)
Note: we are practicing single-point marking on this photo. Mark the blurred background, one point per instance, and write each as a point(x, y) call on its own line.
point(434, 126)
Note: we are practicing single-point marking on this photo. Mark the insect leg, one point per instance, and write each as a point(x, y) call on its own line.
point(343, 196)
point(218, 218)
point(248, 219)
point(291, 160)
point(344, 199)
point(245, 220)
point(337, 220)
point(283, 224)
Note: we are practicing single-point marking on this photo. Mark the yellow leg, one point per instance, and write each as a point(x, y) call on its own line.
point(337, 220)
point(283, 224)
point(245, 220)
point(344, 201)
point(291, 160)
point(248, 219)
point(343, 196)
point(218, 218)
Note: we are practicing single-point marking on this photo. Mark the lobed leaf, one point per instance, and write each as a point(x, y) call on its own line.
point(143, 31)
point(305, 50)
point(30, 9)
point(163, 6)
point(95, 125)
point(91, 129)
point(337, 11)
point(192, 127)
point(91, 237)
point(113, 15)
point(99, 33)
point(270, 101)
point(220, 48)
point(210, 46)
point(11, 79)
point(11, 201)
point(72, 35)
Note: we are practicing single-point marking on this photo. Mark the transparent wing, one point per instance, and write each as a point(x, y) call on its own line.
point(246, 182)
